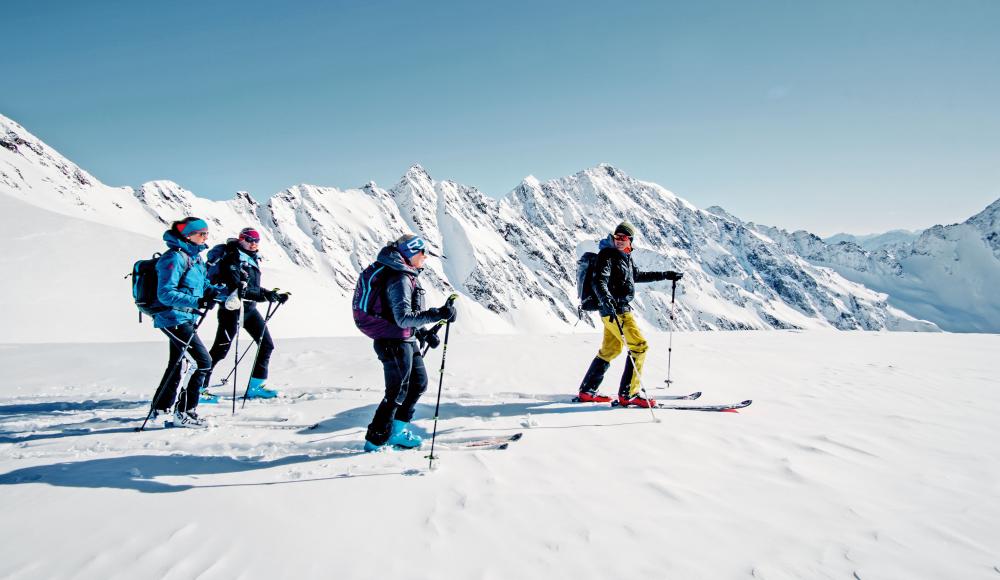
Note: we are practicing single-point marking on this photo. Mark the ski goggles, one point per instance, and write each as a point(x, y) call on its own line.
point(412, 247)
point(250, 236)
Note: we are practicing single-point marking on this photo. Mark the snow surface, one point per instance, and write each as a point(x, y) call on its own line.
point(864, 455)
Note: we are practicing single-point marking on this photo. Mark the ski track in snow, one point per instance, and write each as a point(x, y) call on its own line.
point(866, 455)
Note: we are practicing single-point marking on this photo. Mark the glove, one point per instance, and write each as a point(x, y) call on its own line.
point(207, 299)
point(447, 312)
point(427, 337)
point(282, 296)
point(673, 276)
point(271, 296)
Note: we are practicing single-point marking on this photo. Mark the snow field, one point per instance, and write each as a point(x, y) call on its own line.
point(872, 455)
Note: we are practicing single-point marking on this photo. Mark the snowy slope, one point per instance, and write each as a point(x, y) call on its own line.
point(864, 455)
point(872, 242)
point(513, 259)
point(945, 274)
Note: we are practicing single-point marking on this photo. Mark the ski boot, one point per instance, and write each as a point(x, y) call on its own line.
point(206, 398)
point(161, 415)
point(189, 420)
point(372, 448)
point(591, 397)
point(257, 390)
point(402, 436)
point(635, 401)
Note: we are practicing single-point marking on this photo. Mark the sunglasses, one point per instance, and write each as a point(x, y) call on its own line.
point(622, 237)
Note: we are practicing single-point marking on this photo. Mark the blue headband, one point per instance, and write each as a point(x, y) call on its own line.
point(192, 227)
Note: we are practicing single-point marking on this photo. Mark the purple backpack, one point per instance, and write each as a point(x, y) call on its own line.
point(371, 315)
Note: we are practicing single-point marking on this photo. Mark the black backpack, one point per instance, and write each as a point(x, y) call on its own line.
point(145, 283)
point(585, 267)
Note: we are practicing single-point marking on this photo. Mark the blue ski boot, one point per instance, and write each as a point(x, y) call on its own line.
point(402, 436)
point(372, 448)
point(258, 391)
point(206, 398)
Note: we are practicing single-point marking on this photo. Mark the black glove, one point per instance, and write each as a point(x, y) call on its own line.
point(429, 338)
point(271, 296)
point(447, 312)
point(282, 296)
point(673, 276)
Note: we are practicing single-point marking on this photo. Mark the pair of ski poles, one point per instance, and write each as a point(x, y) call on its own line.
point(670, 347)
point(271, 311)
point(202, 314)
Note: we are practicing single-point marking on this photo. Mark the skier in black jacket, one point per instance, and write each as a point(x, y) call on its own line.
point(235, 264)
point(397, 332)
point(615, 277)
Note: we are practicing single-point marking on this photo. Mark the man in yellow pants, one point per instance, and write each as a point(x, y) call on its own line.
point(614, 280)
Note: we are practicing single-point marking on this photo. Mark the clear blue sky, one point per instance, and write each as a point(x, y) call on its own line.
point(846, 115)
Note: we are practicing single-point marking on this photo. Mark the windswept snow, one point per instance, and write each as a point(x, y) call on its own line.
point(864, 455)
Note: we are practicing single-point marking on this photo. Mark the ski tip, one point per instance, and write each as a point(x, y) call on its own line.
point(695, 394)
point(516, 436)
point(503, 446)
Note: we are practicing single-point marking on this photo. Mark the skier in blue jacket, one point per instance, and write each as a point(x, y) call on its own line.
point(184, 291)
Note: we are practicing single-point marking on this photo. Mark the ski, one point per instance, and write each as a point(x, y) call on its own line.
point(687, 397)
point(476, 443)
point(275, 425)
point(731, 408)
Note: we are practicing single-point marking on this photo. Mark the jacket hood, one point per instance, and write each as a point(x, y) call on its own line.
point(608, 243)
point(391, 257)
point(177, 243)
point(234, 243)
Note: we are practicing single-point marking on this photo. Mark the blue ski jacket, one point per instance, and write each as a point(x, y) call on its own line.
point(181, 280)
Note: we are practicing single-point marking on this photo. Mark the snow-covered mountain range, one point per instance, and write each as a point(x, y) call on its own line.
point(513, 259)
point(945, 274)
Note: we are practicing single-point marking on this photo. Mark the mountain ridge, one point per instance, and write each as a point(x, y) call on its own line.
point(514, 257)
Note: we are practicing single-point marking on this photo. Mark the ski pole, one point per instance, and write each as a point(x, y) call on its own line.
point(257, 354)
point(670, 347)
point(239, 327)
point(173, 369)
point(247, 349)
point(635, 367)
point(437, 406)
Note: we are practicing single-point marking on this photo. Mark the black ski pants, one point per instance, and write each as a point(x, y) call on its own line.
point(405, 381)
point(253, 322)
point(167, 391)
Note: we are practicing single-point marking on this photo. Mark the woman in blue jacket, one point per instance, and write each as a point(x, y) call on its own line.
point(184, 292)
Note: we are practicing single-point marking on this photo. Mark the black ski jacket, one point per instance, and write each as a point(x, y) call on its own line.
point(225, 263)
point(615, 277)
